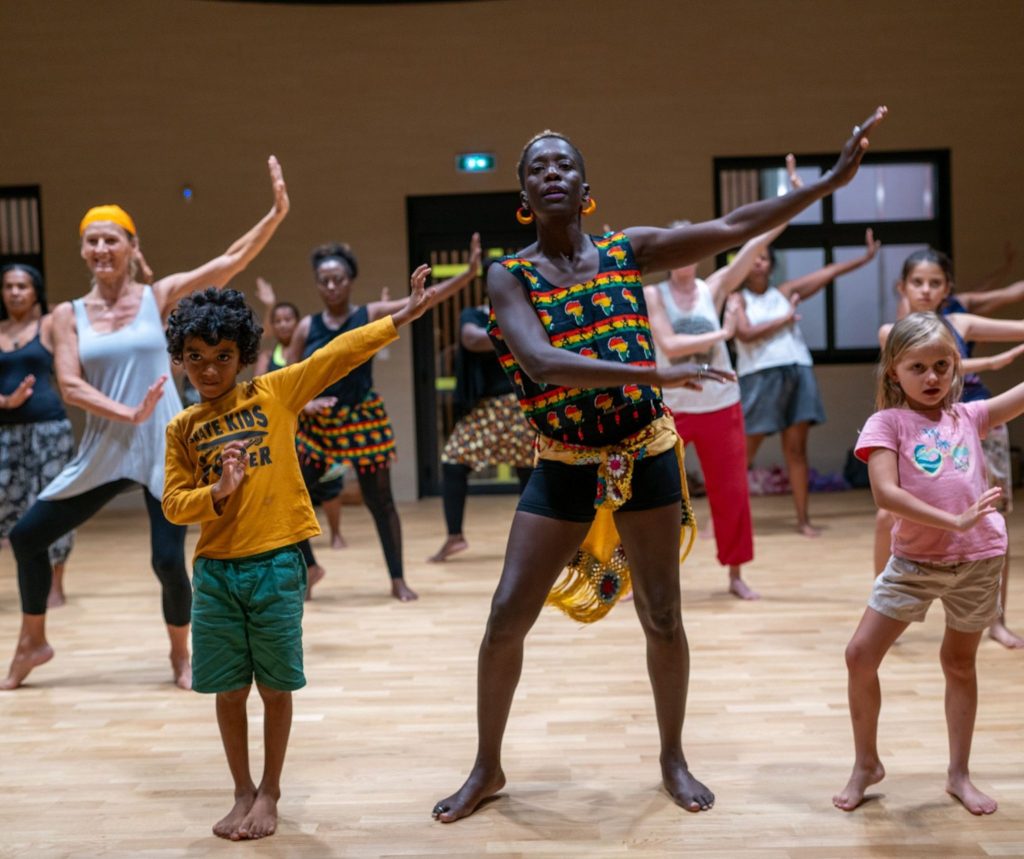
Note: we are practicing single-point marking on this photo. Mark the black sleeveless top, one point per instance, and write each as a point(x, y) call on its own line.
point(44, 404)
point(355, 387)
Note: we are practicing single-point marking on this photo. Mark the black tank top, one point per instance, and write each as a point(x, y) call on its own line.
point(44, 404)
point(352, 389)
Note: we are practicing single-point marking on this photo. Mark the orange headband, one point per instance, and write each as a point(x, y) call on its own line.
point(114, 214)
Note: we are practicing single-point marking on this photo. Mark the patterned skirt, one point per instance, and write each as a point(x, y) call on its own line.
point(359, 436)
point(31, 455)
point(494, 432)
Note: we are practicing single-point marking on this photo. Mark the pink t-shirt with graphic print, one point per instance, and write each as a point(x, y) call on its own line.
point(939, 462)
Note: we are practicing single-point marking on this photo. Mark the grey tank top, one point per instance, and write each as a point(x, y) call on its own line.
point(122, 365)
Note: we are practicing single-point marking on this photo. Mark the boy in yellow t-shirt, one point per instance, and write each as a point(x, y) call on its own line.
point(231, 467)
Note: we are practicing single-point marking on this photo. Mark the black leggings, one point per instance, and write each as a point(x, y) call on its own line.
point(46, 521)
point(455, 488)
point(376, 489)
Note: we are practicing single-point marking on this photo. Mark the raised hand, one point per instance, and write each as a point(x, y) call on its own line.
point(281, 202)
point(144, 273)
point(418, 301)
point(982, 507)
point(853, 150)
point(730, 321)
point(871, 244)
point(320, 404)
point(145, 408)
point(475, 254)
point(233, 460)
point(795, 181)
point(265, 293)
point(18, 396)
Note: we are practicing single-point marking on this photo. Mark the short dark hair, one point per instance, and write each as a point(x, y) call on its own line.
point(338, 251)
point(521, 164)
point(213, 315)
point(37, 282)
point(286, 305)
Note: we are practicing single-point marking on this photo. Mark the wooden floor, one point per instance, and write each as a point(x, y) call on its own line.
point(102, 757)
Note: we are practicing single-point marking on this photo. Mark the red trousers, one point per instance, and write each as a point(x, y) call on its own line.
point(722, 447)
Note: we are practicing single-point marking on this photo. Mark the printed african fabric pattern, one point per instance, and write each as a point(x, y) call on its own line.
point(493, 433)
point(604, 318)
point(359, 435)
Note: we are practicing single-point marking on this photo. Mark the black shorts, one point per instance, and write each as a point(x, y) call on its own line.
point(561, 491)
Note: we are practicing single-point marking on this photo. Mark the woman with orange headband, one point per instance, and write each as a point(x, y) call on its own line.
point(111, 360)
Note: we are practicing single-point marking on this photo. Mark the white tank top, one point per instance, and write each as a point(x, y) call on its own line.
point(786, 346)
point(701, 319)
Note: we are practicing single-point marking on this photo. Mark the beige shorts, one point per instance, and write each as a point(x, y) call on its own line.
point(969, 591)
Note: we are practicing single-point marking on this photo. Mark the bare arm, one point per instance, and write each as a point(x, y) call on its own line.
point(992, 362)
point(809, 284)
point(678, 345)
point(889, 495)
point(474, 338)
point(267, 298)
point(746, 332)
point(76, 391)
point(984, 303)
point(985, 330)
point(665, 249)
point(1006, 406)
point(437, 293)
point(218, 271)
point(293, 354)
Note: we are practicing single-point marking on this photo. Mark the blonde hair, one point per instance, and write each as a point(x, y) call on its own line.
point(914, 332)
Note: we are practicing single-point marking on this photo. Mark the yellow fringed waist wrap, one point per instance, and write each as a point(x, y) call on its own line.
point(598, 576)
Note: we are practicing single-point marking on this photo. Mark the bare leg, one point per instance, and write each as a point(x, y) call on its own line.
point(794, 449)
point(874, 636)
point(332, 509)
point(999, 631)
point(32, 650)
point(181, 662)
point(314, 575)
point(738, 587)
point(261, 820)
point(958, 664)
point(654, 565)
point(884, 520)
point(234, 734)
point(753, 445)
point(538, 550)
point(56, 598)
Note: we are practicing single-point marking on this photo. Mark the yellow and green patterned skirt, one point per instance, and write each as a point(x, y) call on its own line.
point(359, 436)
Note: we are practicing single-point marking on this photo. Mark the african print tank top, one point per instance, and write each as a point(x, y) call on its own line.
point(603, 318)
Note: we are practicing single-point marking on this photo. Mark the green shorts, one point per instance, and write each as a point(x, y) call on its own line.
point(247, 621)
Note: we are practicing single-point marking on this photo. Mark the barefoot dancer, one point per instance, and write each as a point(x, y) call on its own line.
point(349, 424)
point(570, 325)
point(492, 430)
point(230, 461)
point(778, 389)
point(924, 456)
point(36, 440)
point(111, 361)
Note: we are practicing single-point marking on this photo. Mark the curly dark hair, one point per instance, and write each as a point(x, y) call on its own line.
point(213, 315)
point(337, 251)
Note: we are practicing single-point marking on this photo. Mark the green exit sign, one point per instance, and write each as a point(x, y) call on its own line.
point(474, 162)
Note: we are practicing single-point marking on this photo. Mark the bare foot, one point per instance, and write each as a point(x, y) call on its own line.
point(181, 665)
point(314, 575)
point(261, 820)
point(25, 659)
point(687, 792)
point(454, 544)
point(338, 542)
point(1005, 636)
point(56, 597)
point(808, 530)
point(401, 591)
point(227, 826)
point(860, 780)
point(739, 588)
point(972, 799)
point(467, 799)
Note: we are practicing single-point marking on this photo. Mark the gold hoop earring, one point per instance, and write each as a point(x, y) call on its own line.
point(524, 216)
point(590, 208)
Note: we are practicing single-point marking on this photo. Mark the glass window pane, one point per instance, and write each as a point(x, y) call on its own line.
point(791, 263)
point(888, 192)
point(866, 298)
point(775, 183)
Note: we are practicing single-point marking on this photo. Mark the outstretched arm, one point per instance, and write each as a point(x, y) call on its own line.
point(1006, 406)
point(663, 249)
point(986, 330)
point(992, 362)
point(218, 271)
point(984, 303)
point(809, 284)
point(437, 293)
point(883, 469)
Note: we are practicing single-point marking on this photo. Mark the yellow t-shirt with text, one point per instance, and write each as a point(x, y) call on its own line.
point(271, 508)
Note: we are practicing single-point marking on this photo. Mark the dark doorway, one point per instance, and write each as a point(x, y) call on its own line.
point(439, 231)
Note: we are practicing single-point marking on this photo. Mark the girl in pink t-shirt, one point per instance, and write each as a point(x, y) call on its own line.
point(923, 450)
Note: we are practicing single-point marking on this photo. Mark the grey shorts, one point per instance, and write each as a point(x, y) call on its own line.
point(969, 591)
point(780, 397)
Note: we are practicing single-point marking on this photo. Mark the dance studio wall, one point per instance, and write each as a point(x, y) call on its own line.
point(127, 102)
